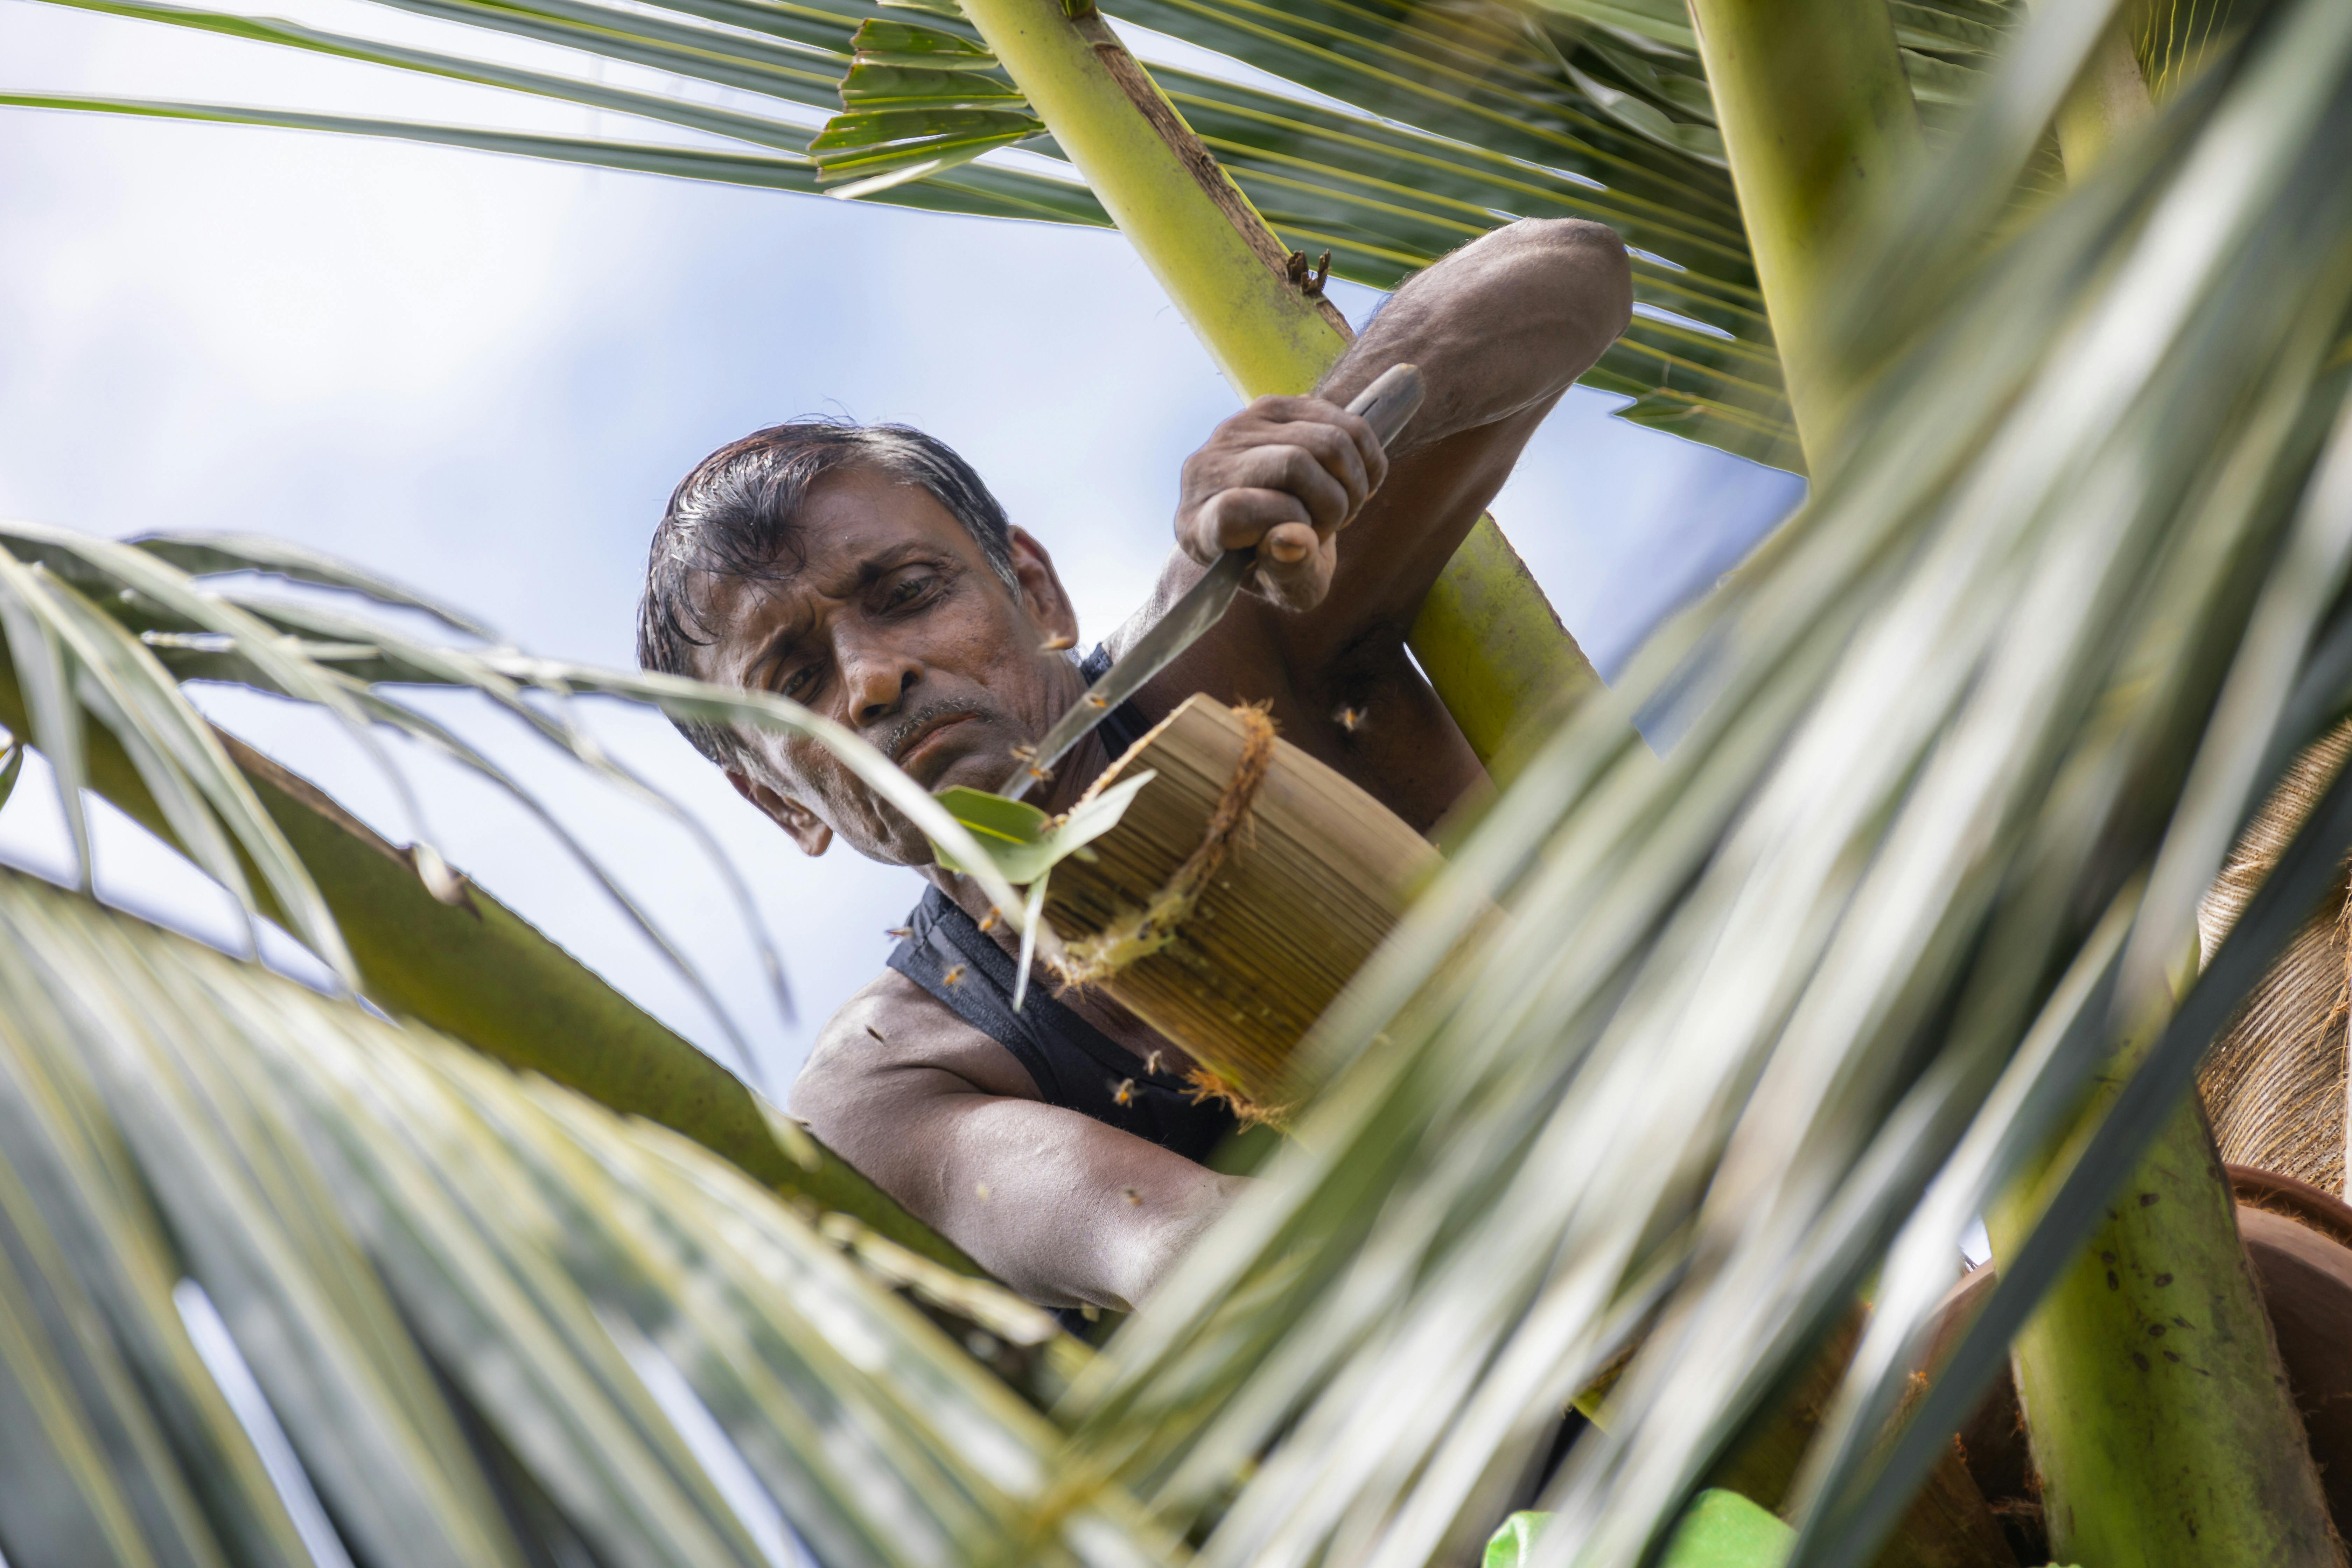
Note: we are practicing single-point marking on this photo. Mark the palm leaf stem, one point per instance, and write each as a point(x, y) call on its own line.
point(1817, 116)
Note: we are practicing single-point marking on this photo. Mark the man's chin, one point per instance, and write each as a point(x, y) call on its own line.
point(969, 767)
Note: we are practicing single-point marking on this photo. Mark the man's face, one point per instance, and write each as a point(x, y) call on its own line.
point(897, 628)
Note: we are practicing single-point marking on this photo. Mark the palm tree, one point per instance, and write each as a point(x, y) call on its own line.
point(1893, 934)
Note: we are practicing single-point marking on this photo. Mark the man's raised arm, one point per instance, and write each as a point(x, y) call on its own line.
point(1350, 539)
point(1499, 328)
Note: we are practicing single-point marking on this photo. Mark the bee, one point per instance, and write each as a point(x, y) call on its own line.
point(1151, 1063)
point(1057, 642)
point(988, 921)
point(1025, 753)
point(901, 932)
point(1130, 1194)
point(1348, 718)
point(954, 976)
point(1125, 1093)
point(1096, 700)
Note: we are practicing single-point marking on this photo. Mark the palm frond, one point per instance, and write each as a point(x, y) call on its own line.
point(97, 629)
point(1487, 115)
point(2035, 642)
point(440, 1272)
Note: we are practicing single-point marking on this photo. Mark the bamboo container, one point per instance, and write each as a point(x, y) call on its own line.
point(1309, 877)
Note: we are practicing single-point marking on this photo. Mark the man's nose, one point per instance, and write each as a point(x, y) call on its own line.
point(876, 681)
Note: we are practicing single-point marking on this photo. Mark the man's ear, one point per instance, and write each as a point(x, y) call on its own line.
point(1042, 593)
point(813, 835)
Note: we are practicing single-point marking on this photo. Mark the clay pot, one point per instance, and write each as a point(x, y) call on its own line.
point(2299, 1240)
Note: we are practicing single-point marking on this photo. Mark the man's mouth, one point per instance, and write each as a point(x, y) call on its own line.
point(926, 743)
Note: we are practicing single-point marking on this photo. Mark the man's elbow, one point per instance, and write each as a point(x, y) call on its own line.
point(1593, 268)
point(1567, 280)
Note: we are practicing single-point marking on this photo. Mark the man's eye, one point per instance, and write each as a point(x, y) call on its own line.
point(907, 591)
point(798, 683)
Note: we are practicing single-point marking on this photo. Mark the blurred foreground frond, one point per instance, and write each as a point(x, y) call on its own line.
point(458, 1287)
point(2019, 673)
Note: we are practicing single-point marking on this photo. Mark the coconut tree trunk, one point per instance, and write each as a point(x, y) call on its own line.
point(1486, 637)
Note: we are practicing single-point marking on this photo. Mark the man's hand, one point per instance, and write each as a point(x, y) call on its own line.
point(1281, 478)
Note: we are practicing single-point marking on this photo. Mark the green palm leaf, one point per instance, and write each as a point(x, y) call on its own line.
point(1480, 110)
point(1750, 999)
point(433, 1265)
point(106, 630)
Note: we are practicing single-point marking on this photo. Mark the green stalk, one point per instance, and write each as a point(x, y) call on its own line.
point(1485, 636)
point(2155, 1400)
point(1818, 120)
point(2159, 1419)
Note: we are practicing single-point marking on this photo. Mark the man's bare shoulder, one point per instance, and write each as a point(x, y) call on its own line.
point(893, 1038)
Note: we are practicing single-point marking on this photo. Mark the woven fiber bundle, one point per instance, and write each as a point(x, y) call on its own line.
point(1244, 887)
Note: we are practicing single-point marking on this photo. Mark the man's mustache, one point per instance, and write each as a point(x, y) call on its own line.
point(894, 741)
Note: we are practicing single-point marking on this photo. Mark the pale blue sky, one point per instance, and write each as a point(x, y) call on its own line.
point(482, 375)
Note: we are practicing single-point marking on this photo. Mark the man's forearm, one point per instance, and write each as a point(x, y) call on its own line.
point(1498, 327)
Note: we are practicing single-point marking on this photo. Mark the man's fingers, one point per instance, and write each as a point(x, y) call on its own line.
point(1367, 448)
point(1240, 519)
point(1299, 472)
point(1280, 480)
point(1289, 545)
point(1293, 556)
point(1337, 448)
point(1341, 441)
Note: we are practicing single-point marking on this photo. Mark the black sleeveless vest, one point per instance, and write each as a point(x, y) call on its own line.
point(1076, 1065)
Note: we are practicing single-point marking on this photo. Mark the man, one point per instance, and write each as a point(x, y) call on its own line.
point(867, 573)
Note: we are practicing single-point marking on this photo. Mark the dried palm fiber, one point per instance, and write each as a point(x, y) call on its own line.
point(2273, 1084)
point(1244, 887)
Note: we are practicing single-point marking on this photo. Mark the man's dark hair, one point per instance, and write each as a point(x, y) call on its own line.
point(737, 515)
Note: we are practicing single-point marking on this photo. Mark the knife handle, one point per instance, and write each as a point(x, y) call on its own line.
point(1390, 401)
